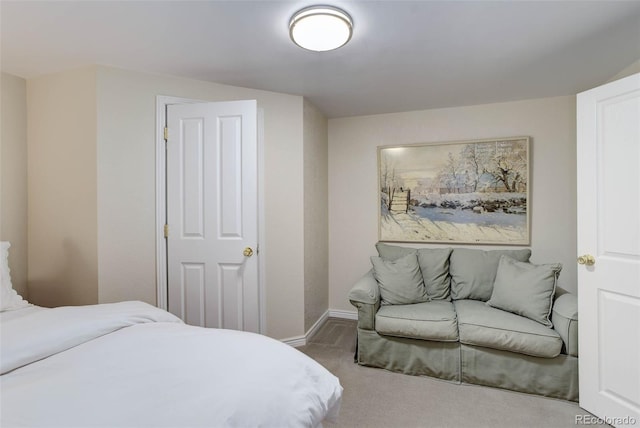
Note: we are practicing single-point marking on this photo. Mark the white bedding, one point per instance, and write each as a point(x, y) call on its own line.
point(133, 365)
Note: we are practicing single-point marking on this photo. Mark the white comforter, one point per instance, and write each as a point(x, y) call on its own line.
point(133, 365)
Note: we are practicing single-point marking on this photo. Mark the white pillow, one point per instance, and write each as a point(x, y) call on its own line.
point(9, 299)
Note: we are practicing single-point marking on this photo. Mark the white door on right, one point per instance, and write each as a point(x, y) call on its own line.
point(608, 131)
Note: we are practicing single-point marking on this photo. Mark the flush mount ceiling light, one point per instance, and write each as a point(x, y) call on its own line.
point(320, 28)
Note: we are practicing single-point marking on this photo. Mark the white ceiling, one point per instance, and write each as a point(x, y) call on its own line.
point(404, 55)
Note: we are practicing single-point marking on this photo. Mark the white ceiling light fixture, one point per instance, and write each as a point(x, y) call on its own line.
point(320, 28)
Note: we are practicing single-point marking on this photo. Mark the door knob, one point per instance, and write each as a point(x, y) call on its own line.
point(248, 252)
point(587, 259)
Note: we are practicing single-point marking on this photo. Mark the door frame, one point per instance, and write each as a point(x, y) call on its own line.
point(161, 204)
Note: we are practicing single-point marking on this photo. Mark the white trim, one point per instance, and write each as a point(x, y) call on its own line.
point(161, 208)
point(297, 341)
point(316, 326)
point(347, 315)
point(161, 260)
point(302, 340)
point(262, 225)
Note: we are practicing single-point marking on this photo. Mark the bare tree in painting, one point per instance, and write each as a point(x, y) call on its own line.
point(508, 166)
point(478, 165)
point(460, 174)
point(384, 173)
point(453, 173)
point(473, 163)
point(389, 180)
point(386, 176)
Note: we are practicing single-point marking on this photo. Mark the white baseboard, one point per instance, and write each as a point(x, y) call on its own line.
point(347, 315)
point(297, 341)
point(302, 340)
point(316, 326)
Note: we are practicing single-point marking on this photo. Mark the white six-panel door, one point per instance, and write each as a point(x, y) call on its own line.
point(211, 184)
point(608, 130)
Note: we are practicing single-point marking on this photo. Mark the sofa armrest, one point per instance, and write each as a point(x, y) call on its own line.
point(365, 290)
point(365, 296)
point(564, 317)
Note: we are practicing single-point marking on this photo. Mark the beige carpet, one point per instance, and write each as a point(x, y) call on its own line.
point(379, 398)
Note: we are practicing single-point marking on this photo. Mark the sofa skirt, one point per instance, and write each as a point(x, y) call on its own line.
point(409, 356)
point(550, 377)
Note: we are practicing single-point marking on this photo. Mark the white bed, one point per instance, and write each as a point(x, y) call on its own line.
point(133, 365)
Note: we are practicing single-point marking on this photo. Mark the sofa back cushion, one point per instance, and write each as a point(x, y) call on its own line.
point(473, 272)
point(400, 280)
point(434, 266)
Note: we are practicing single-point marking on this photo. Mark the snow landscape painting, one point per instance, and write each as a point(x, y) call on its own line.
point(472, 192)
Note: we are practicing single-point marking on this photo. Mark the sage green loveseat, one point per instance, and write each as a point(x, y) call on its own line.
point(452, 333)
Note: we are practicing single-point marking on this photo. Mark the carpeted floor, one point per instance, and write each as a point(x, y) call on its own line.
point(379, 398)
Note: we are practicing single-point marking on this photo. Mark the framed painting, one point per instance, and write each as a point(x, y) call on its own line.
point(467, 192)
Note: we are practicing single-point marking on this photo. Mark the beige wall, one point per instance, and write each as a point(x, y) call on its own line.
point(126, 186)
point(91, 147)
point(353, 198)
point(316, 243)
point(13, 176)
point(92, 189)
point(62, 187)
point(627, 71)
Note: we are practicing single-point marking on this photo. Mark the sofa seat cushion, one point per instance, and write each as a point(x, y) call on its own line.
point(482, 325)
point(435, 320)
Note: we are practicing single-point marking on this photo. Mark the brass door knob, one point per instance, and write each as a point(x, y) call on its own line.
point(248, 252)
point(587, 259)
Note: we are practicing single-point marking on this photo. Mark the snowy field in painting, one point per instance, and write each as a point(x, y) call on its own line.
point(451, 218)
point(411, 227)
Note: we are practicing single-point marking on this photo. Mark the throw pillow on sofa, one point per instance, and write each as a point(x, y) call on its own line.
point(393, 252)
point(400, 280)
point(434, 265)
point(525, 289)
point(473, 272)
